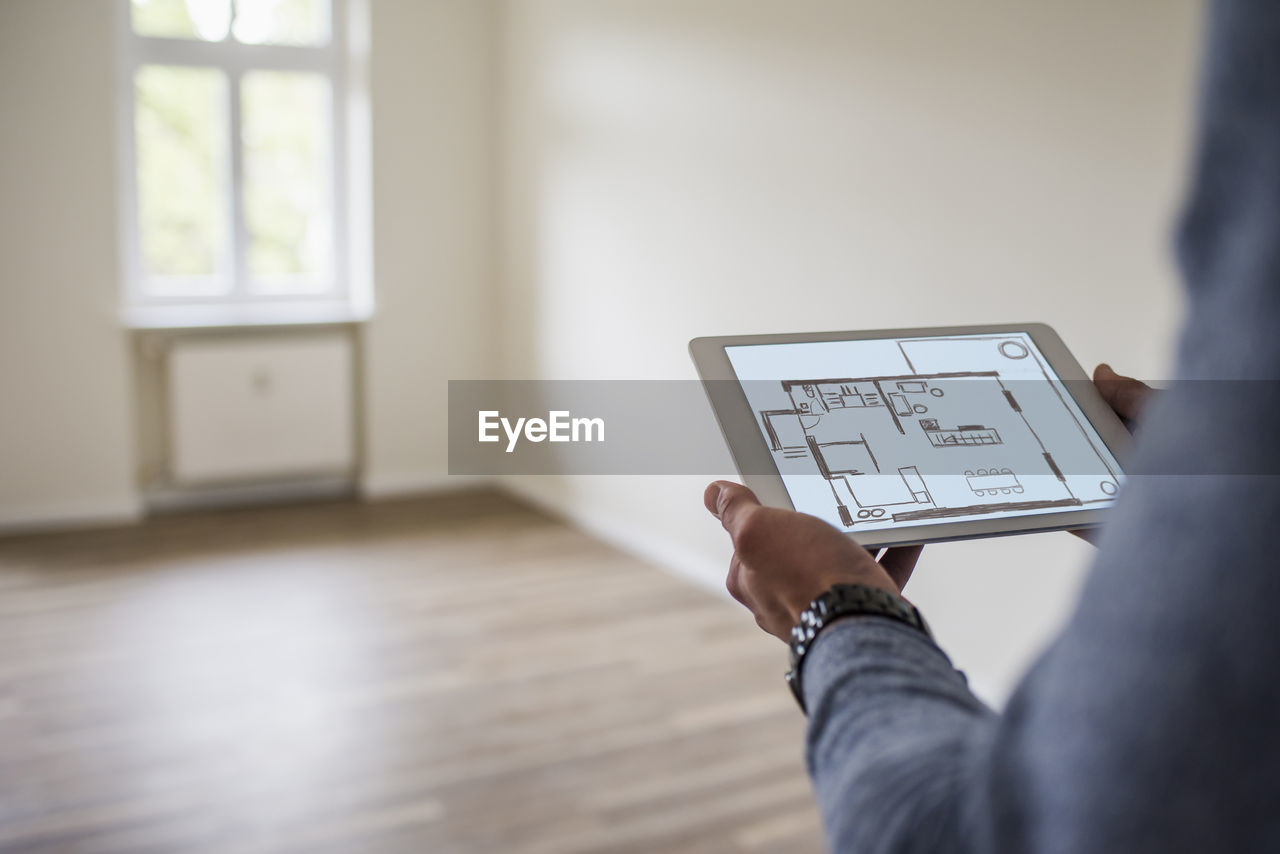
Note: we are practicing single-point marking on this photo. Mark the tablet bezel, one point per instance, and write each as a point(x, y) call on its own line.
point(751, 453)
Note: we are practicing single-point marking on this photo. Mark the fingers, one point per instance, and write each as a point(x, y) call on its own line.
point(731, 503)
point(899, 562)
point(1125, 395)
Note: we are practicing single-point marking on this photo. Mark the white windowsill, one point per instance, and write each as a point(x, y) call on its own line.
point(264, 314)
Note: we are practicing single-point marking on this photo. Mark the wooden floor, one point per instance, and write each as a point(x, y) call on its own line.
point(449, 675)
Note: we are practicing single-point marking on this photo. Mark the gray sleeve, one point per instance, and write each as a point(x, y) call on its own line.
point(884, 705)
point(1152, 724)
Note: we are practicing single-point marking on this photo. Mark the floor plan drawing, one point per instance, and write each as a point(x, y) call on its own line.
point(958, 427)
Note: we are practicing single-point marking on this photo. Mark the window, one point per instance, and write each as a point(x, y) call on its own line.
point(235, 152)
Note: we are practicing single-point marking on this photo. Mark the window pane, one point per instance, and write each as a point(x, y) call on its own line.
point(180, 125)
point(282, 21)
point(287, 202)
point(182, 19)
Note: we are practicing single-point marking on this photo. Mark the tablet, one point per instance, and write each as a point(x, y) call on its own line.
point(901, 436)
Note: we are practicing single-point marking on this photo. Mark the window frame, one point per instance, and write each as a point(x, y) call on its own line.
point(239, 303)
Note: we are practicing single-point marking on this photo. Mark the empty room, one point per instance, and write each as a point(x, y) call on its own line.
point(510, 425)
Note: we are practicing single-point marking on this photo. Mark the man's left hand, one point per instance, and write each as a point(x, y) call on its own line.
point(783, 560)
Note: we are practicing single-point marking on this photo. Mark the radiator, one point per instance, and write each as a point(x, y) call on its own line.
point(252, 408)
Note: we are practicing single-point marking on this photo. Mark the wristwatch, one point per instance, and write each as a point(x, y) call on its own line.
point(844, 600)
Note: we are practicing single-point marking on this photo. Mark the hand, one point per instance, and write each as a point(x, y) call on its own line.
point(783, 560)
point(1127, 397)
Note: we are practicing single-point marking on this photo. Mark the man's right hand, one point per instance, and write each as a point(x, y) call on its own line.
point(1127, 397)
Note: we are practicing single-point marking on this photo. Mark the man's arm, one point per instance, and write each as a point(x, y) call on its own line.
point(884, 706)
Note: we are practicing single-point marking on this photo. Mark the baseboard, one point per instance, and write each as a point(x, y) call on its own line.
point(124, 510)
point(247, 495)
point(375, 486)
point(665, 553)
point(131, 509)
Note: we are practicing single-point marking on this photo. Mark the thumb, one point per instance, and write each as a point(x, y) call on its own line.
point(731, 503)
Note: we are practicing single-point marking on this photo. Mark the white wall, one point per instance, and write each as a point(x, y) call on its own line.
point(66, 443)
point(432, 81)
point(676, 168)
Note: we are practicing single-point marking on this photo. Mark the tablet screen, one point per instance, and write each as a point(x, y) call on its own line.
point(887, 433)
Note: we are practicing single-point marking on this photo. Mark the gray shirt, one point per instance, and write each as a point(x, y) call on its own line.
point(1152, 724)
